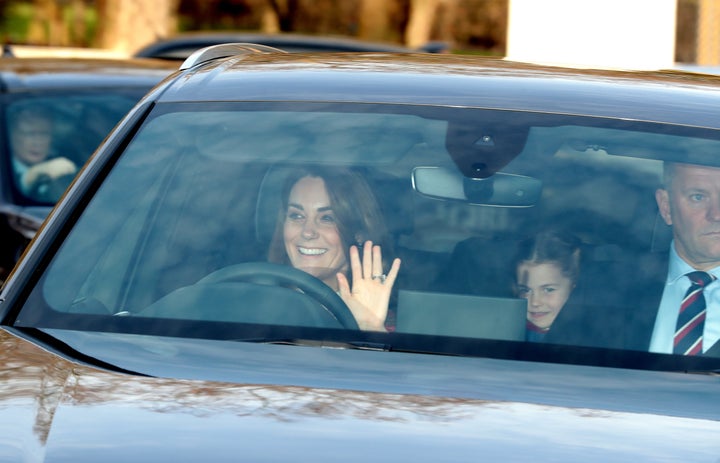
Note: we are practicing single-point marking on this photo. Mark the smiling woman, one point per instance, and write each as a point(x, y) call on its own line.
point(327, 214)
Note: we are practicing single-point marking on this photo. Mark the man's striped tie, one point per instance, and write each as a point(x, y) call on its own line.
point(691, 319)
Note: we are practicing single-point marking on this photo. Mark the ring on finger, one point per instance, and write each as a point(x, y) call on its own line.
point(381, 277)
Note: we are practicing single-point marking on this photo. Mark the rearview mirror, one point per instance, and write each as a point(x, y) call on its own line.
point(500, 189)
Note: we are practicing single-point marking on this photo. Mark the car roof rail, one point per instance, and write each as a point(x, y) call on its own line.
point(225, 50)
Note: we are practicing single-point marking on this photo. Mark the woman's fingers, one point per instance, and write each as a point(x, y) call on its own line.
point(355, 265)
point(393, 273)
point(367, 263)
point(371, 265)
point(377, 263)
point(343, 285)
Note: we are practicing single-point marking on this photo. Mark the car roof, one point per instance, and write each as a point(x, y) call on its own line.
point(22, 74)
point(471, 81)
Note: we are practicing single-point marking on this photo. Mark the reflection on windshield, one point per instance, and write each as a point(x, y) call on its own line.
point(568, 230)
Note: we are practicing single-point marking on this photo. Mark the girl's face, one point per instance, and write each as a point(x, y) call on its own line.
point(546, 290)
point(310, 232)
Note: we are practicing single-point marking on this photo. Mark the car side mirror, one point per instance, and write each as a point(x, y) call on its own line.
point(500, 189)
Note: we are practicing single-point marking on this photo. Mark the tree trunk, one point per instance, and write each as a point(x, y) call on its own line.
point(374, 21)
point(78, 32)
point(127, 25)
point(47, 27)
point(270, 19)
point(708, 42)
point(420, 25)
point(286, 11)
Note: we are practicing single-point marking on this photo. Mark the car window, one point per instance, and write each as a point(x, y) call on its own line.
point(50, 138)
point(179, 238)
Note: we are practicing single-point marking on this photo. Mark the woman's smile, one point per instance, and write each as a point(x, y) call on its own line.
point(310, 232)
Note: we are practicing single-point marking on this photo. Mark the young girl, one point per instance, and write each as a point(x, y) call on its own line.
point(546, 271)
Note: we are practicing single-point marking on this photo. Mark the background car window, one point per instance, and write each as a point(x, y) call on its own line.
point(51, 137)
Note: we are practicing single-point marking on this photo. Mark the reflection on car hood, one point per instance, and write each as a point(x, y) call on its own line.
point(281, 402)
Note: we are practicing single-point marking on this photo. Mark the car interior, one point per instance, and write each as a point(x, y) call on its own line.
point(79, 123)
point(180, 227)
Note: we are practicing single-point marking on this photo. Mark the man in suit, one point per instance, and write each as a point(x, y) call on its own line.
point(690, 203)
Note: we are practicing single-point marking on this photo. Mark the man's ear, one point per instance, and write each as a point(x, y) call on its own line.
point(663, 201)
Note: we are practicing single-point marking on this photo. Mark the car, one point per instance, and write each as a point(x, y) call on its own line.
point(199, 293)
point(85, 98)
point(180, 46)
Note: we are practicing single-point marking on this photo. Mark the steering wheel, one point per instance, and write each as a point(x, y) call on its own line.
point(48, 189)
point(266, 273)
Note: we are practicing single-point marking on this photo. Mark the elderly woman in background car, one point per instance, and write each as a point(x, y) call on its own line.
point(31, 141)
point(323, 211)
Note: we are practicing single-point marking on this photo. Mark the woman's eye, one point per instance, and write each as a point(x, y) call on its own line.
point(696, 197)
point(327, 219)
point(294, 216)
point(549, 289)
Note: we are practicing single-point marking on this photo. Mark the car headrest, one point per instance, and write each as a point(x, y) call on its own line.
point(661, 236)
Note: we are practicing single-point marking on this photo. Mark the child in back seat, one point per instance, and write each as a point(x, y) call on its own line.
point(546, 272)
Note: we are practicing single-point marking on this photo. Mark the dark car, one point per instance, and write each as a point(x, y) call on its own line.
point(180, 46)
point(206, 290)
point(56, 111)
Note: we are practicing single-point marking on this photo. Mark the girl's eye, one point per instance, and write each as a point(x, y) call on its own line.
point(696, 197)
point(523, 292)
point(549, 289)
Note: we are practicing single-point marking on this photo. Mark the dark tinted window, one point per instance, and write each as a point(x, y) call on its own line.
point(200, 190)
point(51, 137)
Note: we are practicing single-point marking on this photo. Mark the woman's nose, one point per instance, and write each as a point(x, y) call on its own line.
point(309, 231)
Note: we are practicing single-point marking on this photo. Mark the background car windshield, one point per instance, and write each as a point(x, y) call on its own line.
point(200, 189)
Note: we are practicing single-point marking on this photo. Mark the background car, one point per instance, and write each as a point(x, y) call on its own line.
point(151, 320)
point(180, 46)
point(85, 98)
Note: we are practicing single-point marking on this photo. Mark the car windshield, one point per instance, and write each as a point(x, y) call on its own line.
point(197, 228)
point(51, 136)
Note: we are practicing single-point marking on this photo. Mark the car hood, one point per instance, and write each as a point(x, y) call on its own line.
point(290, 403)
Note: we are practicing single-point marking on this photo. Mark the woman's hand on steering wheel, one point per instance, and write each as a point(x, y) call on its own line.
point(369, 298)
